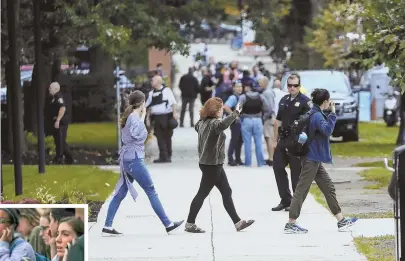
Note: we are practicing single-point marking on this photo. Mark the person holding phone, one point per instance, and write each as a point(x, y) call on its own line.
point(211, 151)
point(132, 165)
point(12, 246)
point(320, 129)
point(69, 230)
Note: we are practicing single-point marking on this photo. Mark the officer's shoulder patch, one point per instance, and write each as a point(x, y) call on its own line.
point(60, 100)
point(309, 103)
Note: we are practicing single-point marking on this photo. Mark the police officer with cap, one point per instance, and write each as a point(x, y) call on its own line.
point(58, 113)
point(161, 106)
point(291, 107)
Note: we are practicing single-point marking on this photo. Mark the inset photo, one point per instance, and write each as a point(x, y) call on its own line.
point(43, 232)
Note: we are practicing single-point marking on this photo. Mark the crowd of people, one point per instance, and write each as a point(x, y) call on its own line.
point(255, 87)
point(42, 234)
point(297, 130)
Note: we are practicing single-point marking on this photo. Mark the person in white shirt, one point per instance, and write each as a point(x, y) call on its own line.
point(161, 106)
point(278, 94)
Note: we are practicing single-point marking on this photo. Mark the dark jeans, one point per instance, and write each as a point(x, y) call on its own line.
point(61, 147)
point(213, 175)
point(280, 161)
point(235, 145)
point(311, 171)
point(163, 135)
point(184, 102)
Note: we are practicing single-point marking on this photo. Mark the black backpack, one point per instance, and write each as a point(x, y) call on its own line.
point(291, 143)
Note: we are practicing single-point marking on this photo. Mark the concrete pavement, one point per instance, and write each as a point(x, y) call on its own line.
point(254, 193)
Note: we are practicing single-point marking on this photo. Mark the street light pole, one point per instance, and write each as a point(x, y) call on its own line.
point(118, 97)
point(40, 90)
point(15, 88)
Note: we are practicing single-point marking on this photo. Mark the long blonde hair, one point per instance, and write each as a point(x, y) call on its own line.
point(135, 99)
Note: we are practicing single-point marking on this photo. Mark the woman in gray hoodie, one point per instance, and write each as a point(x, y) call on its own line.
point(211, 151)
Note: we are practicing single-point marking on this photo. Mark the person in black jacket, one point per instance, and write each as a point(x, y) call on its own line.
point(189, 87)
point(207, 85)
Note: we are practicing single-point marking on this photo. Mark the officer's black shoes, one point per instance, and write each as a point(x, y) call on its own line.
point(110, 232)
point(280, 207)
point(269, 162)
point(162, 160)
point(232, 163)
point(240, 163)
point(175, 226)
point(181, 125)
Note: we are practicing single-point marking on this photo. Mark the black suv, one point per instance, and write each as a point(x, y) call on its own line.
point(338, 85)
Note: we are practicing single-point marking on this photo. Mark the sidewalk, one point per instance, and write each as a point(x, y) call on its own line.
point(254, 192)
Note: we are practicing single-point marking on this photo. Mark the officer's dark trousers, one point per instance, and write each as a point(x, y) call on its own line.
point(163, 135)
point(235, 145)
point(280, 161)
point(184, 102)
point(61, 147)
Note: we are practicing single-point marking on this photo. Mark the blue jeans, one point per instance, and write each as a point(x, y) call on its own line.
point(136, 169)
point(253, 127)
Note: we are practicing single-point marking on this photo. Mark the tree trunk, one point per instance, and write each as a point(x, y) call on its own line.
point(9, 110)
point(9, 105)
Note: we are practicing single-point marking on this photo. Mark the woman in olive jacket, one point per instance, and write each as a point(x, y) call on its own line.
point(211, 151)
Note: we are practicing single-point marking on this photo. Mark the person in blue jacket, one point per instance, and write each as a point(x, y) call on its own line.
point(319, 130)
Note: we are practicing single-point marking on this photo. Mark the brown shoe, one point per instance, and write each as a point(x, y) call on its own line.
point(241, 225)
point(193, 228)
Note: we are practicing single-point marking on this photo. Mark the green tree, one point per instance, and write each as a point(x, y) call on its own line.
point(385, 36)
point(331, 30)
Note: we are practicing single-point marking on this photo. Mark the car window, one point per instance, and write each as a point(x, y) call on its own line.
point(333, 82)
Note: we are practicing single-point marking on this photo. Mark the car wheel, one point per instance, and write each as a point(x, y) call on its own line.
point(352, 135)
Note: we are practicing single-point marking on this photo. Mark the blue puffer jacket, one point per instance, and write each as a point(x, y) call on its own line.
point(320, 129)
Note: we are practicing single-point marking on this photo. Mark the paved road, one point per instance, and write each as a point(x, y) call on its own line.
point(254, 193)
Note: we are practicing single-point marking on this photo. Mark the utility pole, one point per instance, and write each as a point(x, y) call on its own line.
point(40, 89)
point(15, 87)
point(118, 97)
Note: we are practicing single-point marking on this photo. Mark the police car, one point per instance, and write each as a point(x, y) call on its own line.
point(338, 85)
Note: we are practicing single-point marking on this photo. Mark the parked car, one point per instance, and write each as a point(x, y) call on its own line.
point(227, 31)
point(338, 84)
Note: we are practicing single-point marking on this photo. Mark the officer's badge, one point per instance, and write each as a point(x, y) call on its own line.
point(297, 104)
point(60, 100)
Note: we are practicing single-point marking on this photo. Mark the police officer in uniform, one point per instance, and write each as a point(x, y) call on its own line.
point(161, 106)
point(291, 107)
point(58, 113)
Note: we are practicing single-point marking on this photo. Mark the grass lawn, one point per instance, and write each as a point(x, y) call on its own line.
point(376, 248)
point(376, 140)
point(91, 181)
point(379, 176)
point(373, 164)
point(93, 135)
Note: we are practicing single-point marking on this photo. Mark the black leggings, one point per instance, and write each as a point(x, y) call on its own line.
point(213, 175)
